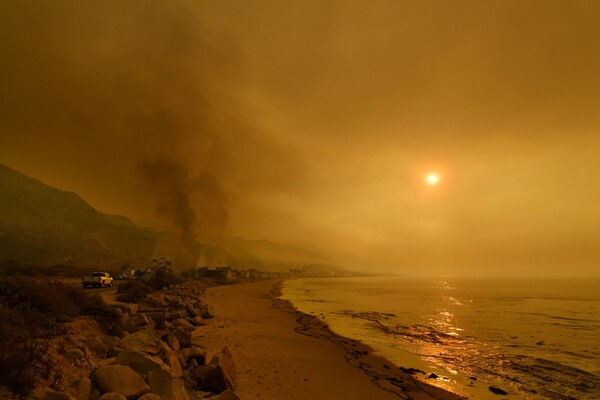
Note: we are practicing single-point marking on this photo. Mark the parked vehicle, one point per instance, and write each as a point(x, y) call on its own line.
point(97, 279)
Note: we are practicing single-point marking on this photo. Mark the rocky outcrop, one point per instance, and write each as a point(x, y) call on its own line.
point(217, 377)
point(147, 341)
point(139, 362)
point(163, 384)
point(149, 360)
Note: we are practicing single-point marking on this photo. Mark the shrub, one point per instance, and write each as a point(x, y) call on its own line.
point(18, 364)
point(14, 326)
point(33, 309)
point(107, 317)
point(163, 278)
point(132, 291)
point(40, 307)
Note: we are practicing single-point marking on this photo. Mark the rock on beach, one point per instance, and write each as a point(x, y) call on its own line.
point(121, 379)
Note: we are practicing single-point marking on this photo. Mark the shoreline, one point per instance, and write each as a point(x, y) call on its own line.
point(384, 373)
point(281, 352)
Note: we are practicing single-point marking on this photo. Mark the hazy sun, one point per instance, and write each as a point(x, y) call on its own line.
point(432, 179)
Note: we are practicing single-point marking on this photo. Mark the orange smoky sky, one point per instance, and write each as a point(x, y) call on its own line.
point(320, 120)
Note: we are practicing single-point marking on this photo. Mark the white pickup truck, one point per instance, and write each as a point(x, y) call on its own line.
point(97, 279)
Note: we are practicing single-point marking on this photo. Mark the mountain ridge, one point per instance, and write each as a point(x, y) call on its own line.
point(42, 225)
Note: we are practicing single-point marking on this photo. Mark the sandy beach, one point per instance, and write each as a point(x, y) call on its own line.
point(282, 354)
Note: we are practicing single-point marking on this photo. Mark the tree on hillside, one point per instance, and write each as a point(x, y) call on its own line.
point(161, 264)
point(162, 272)
point(126, 270)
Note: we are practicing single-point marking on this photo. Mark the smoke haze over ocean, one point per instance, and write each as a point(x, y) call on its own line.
point(318, 120)
point(535, 338)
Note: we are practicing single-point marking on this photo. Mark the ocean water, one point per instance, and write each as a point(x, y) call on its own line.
point(535, 339)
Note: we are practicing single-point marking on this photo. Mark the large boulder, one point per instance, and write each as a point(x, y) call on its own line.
point(163, 384)
point(192, 310)
point(226, 395)
point(112, 396)
point(182, 322)
point(143, 321)
point(218, 375)
point(121, 379)
point(171, 316)
point(174, 365)
point(151, 396)
point(209, 379)
point(197, 321)
point(206, 312)
point(139, 362)
point(107, 361)
point(146, 341)
point(171, 341)
point(183, 336)
point(48, 394)
point(96, 346)
point(197, 337)
point(158, 318)
point(83, 388)
point(74, 354)
point(196, 353)
point(224, 361)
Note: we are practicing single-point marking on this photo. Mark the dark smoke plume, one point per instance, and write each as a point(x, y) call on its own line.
point(136, 102)
point(169, 184)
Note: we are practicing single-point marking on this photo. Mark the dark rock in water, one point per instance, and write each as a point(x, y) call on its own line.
point(432, 375)
point(411, 371)
point(497, 390)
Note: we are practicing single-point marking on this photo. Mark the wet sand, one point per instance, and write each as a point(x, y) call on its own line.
point(283, 354)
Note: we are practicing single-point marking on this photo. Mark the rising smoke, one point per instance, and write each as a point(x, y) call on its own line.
point(138, 100)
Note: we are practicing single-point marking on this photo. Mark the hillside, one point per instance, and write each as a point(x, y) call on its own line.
point(41, 225)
